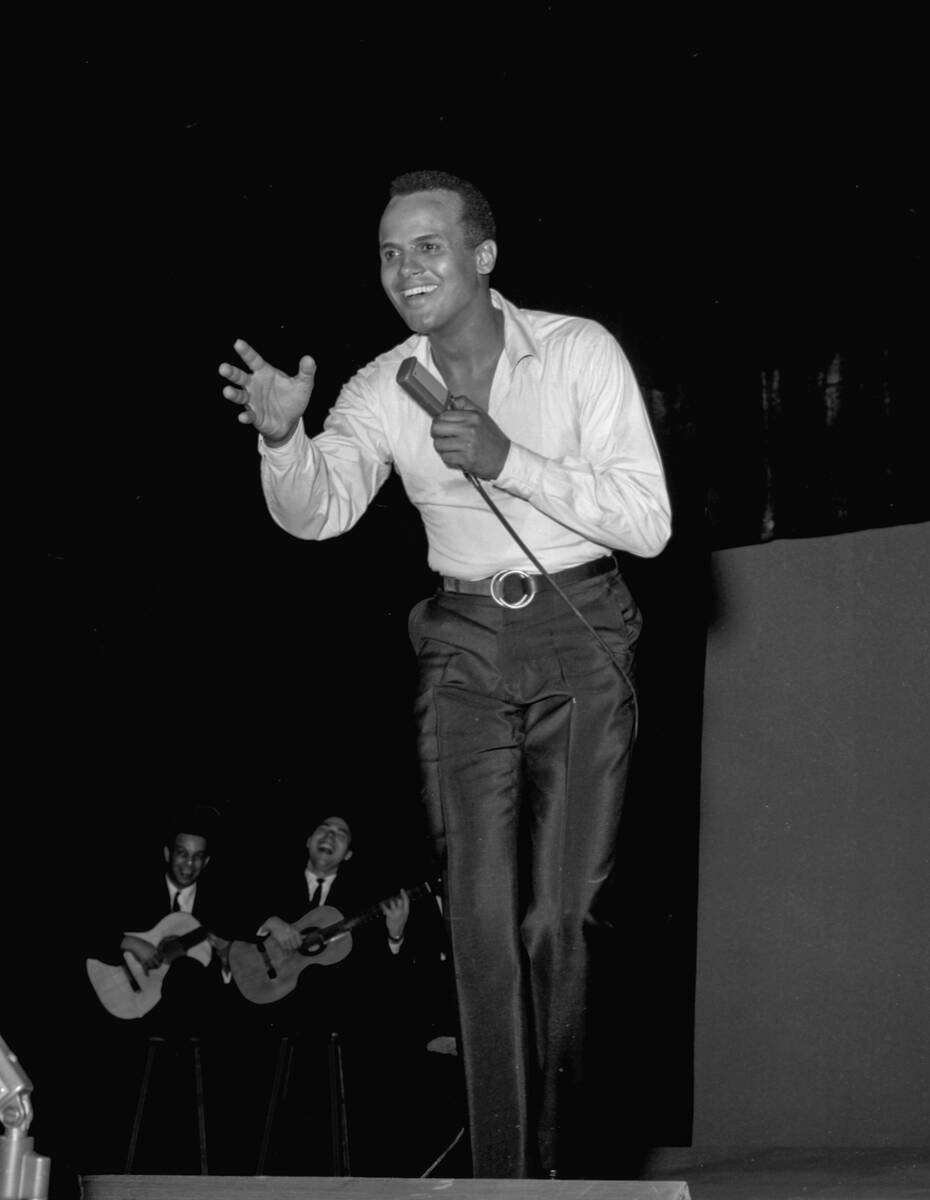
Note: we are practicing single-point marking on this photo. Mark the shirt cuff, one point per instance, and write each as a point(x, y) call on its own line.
point(290, 452)
point(521, 472)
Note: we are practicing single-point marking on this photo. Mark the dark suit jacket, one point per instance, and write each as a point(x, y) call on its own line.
point(336, 995)
point(193, 996)
point(136, 903)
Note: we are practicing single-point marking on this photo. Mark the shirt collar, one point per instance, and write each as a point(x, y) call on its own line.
point(311, 874)
point(519, 341)
point(174, 890)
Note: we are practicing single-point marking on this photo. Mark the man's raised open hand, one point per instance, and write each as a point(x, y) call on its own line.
point(270, 400)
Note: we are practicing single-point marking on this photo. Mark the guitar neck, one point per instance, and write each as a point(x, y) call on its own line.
point(370, 914)
point(194, 937)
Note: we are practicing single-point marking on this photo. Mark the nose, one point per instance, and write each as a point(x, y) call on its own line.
point(410, 264)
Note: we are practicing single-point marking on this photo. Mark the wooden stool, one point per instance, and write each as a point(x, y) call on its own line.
point(155, 1044)
point(337, 1101)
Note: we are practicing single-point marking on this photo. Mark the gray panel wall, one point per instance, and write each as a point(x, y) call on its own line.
point(813, 986)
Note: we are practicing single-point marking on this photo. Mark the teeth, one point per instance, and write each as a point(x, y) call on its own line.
point(419, 291)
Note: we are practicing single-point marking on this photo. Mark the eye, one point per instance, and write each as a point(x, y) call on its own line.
point(387, 255)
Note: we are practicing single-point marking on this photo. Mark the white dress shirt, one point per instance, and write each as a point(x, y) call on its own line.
point(312, 880)
point(583, 474)
point(187, 896)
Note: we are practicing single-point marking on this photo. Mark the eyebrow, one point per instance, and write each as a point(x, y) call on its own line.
point(422, 237)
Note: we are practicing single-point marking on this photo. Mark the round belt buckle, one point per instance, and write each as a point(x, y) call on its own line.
point(497, 588)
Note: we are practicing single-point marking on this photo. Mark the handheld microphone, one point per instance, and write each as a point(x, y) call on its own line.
point(422, 386)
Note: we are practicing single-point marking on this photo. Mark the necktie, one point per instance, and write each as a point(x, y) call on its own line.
point(176, 906)
point(318, 899)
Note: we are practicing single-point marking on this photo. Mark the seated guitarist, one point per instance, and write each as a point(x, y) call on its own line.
point(361, 995)
point(329, 846)
point(139, 915)
point(176, 881)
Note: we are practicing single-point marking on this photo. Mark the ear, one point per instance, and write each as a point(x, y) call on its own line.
point(167, 853)
point(347, 856)
point(485, 256)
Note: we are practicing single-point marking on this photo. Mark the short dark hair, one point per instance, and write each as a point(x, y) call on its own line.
point(477, 218)
point(200, 820)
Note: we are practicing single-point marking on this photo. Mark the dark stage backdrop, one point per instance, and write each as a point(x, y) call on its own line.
point(738, 205)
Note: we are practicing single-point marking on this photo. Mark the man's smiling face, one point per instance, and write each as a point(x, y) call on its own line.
point(329, 845)
point(430, 273)
point(186, 858)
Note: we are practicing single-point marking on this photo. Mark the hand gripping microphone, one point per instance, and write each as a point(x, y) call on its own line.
point(430, 393)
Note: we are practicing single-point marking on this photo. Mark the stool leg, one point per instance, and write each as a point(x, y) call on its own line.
point(201, 1115)
point(153, 1043)
point(285, 1085)
point(339, 1125)
point(284, 1047)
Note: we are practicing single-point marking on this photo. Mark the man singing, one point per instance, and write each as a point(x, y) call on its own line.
point(525, 704)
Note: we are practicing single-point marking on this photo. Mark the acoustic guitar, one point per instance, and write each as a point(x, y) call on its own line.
point(265, 972)
point(132, 990)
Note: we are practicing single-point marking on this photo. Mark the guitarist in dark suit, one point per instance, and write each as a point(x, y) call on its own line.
point(179, 879)
point(361, 997)
point(130, 909)
point(328, 877)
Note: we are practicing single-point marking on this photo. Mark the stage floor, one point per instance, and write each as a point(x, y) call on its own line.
point(704, 1173)
point(796, 1173)
point(186, 1187)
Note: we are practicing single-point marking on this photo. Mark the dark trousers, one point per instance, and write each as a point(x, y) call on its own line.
point(525, 729)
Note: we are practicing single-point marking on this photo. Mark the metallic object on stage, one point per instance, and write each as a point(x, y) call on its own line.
point(23, 1175)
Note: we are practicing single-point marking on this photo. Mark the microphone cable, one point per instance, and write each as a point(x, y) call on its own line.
point(476, 483)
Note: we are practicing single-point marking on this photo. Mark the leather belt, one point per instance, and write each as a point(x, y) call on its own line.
point(496, 586)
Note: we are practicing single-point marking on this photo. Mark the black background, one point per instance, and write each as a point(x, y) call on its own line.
point(717, 191)
point(719, 195)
